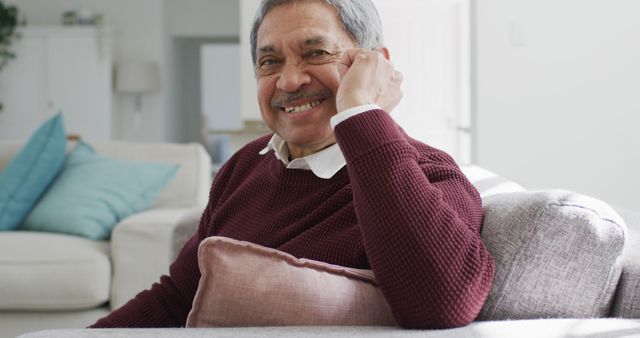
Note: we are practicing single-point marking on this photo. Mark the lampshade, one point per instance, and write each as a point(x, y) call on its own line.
point(137, 77)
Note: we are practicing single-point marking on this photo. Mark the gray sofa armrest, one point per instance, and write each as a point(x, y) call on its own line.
point(558, 254)
point(627, 301)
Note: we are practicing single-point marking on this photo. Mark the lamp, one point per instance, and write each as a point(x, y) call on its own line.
point(137, 78)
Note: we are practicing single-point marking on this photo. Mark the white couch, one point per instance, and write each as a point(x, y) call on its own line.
point(60, 281)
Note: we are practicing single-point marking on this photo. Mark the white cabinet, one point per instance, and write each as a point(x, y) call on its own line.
point(58, 69)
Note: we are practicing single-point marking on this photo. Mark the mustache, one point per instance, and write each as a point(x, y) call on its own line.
point(282, 99)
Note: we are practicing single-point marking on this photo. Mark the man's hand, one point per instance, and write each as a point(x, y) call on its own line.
point(368, 77)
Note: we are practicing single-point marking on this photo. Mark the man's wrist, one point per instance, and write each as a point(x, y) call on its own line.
point(341, 116)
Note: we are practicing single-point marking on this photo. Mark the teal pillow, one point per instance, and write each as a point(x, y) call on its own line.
point(30, 172)
point(93, 193)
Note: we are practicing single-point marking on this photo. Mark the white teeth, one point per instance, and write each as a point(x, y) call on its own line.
point(301, 108)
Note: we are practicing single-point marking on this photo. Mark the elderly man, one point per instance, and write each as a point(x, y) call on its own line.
point(338, 181)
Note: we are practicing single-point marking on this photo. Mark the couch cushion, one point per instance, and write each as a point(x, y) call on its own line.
point(30, 172)
point(245, 284)
point(93, 193)
point(190, 186)
point(40, 271)
point(557, 253)
point(192, 182)
point(627, 303)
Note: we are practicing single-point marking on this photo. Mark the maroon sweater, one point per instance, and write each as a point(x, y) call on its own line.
point(400, 208)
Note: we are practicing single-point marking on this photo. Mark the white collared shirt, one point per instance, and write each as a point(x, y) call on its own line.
point(325, 163)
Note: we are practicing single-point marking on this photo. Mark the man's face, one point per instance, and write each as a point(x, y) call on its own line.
point(298, 47)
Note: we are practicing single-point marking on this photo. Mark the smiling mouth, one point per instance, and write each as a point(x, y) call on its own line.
point(301, 108)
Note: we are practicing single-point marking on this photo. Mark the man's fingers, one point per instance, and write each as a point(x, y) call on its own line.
point(349, 56)
point(347, 59)
point(367, 77)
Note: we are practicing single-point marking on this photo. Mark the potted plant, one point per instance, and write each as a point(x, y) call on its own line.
point(8, 33)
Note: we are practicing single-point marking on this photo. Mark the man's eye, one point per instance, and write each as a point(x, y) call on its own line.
point(318, 53)
point(319, 57)
point(268, 66)
point(269, 62)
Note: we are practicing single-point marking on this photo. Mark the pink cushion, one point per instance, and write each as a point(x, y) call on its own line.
point(244, 284)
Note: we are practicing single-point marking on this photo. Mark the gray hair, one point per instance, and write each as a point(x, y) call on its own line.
point(359, 18)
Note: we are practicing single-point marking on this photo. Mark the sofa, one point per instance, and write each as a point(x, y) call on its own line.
point(52, 280)
point(567, 265)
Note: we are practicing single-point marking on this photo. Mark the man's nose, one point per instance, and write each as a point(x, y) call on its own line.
point(292, 77)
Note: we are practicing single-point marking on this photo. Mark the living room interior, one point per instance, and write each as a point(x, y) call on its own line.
point(550, 98)
point(542, 93)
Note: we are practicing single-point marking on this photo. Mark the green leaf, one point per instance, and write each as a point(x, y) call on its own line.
point(9, 21)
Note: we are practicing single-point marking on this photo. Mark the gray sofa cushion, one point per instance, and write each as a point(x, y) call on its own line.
point(557, 253)
point(627, 303)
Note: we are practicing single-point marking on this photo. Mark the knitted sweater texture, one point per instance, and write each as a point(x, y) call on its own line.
point(399, 207)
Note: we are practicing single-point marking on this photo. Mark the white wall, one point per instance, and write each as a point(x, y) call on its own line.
point(138, 33)
point(557, 94)
point(203, 18)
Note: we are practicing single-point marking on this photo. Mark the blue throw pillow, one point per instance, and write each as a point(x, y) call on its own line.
point(30, 172)
point(93, 193)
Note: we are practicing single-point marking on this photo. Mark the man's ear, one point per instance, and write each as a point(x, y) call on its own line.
point(384, 51)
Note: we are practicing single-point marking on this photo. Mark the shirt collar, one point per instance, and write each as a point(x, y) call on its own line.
point(324, 164)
